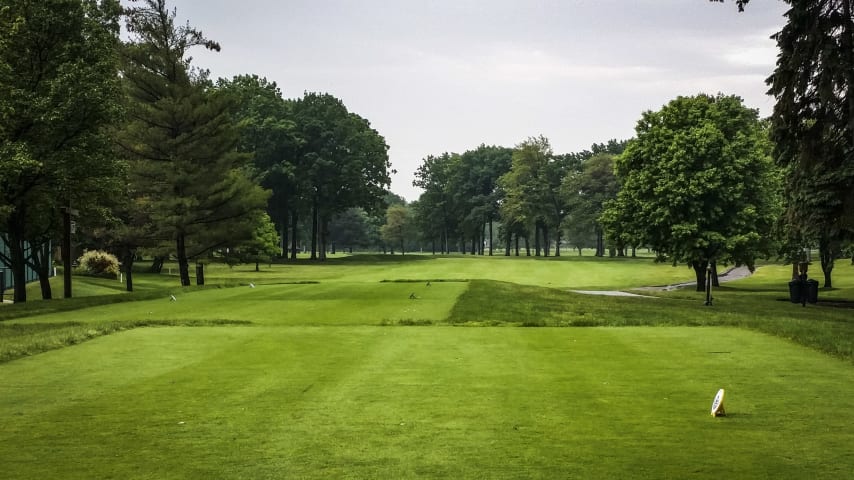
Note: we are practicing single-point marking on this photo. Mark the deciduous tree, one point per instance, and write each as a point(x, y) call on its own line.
point(59, 94)
point(699, 183)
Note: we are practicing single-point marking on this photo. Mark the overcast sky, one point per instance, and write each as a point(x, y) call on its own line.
point(448, 75)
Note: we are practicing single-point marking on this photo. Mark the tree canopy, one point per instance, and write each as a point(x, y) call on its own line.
point(59, 94)
point(813, 123)
point(699, 184)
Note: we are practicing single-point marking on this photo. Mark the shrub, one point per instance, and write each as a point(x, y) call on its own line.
point(98, 263)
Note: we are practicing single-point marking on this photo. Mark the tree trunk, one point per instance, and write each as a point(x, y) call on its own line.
point(557, 243)
point(157, 265)
point(537, 240)
point(18, 266)
point(294, 227)
point(41, 264)
point(127, 266)
point(700, 273)
point(826, 253)
point(508, 243)
point(183, 263)
point(546, 242)
point(579, 250)
point(517, 244)
point(283, 233)
point(314, 228)
point(527, 247)
point(715, 281)
point(283, 221)
point(634, 252)
point(490, 237)
point(324, 237)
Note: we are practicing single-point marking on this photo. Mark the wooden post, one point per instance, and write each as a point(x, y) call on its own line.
point(67, 213)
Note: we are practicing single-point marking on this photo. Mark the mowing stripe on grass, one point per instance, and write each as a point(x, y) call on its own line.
point(368, 402)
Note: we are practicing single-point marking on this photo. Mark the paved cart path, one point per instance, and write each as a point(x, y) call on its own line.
point(735, 273)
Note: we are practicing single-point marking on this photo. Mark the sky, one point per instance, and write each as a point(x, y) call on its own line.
point(448, 75)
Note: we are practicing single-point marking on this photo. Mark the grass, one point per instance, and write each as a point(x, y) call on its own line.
point(438, 402)
point(316, 373)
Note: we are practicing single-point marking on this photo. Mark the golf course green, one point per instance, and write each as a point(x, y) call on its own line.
point(421, 367)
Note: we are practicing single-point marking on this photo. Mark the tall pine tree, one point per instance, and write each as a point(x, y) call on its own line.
point(182, 140)
point(813, 123)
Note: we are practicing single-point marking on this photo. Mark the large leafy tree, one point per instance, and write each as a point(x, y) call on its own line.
point(699, 183)
point(398, 228)
point(477, 195)
point(182, 140)
point(435, 213)
point(344, 163)
point(585, 193)
point(813, 123)
point(532, 191)
point(58, 94)
point(268, 133)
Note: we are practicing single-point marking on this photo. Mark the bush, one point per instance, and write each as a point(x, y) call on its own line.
point(99, 264)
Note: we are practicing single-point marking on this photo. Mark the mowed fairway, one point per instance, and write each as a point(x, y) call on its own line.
point(330, 381)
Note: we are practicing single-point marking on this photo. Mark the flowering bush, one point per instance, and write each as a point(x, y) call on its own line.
point(98, 263)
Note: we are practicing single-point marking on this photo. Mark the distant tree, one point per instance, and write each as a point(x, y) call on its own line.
point(532, 191)
point(182, 140)
point(398, 227)
point(699, 183)
point(263, 245)
point(352, 229)
point(268, 133)
point(436, 213)
point(585, 194)
point(474, 186)
point(59, 93)
point(612, 147)
point(740, 3)
point(344, 162)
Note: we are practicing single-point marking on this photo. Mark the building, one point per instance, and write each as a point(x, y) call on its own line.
point(6, 280)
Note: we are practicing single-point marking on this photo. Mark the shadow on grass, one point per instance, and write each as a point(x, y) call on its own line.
point(23, 340)
point(359, 259)
point(498, 303)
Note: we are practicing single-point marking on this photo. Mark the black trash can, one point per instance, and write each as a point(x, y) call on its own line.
point(200, 274)
point(795, 289)
point(812, 290)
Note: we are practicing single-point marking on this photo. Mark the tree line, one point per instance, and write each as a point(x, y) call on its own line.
point(147, 152)
point(704, 181)
point(513, 197)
